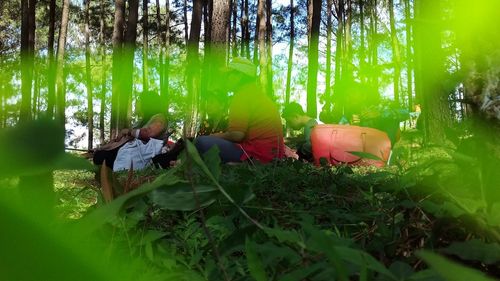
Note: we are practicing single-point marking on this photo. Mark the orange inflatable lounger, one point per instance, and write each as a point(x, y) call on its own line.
point(334, 142)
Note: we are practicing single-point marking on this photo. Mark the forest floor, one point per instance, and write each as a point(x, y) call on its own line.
point(358, 223)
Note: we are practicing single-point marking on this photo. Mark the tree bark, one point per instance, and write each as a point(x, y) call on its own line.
point(256, 37)
point(328, 53)
point(186, 29)
point(312, 56)
point(90, 107)
point(193, 71)
point(374, 71)
point(339, 8)
point(262, 45)
point(233, 31)
point(60, 82)
point(409, 61)
point(51, 83)
point(430, 72)
point(269, 42)
point(117, 77)
point(166, 68)
point(27, 57)
point(290, 54)
point(128, 67)
point(396, 56)
point(103, 73)
point(145, 33)
point(362, 49)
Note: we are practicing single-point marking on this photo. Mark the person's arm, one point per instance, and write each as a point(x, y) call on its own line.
point(234, 136)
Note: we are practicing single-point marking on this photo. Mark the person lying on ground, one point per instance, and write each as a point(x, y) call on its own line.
point(254, 124)
point(151, 136)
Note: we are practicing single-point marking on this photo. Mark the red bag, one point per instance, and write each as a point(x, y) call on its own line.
point(334, 142)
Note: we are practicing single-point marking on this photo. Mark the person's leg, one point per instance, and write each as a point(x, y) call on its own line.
point(228, 151)
point(105, 156)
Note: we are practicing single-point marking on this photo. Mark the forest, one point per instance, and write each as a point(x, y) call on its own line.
point(73, 74)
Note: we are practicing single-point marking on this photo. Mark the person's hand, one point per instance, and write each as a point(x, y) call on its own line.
point(123, 133)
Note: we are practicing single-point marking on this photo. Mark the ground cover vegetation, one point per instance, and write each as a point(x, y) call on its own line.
point(432, 214)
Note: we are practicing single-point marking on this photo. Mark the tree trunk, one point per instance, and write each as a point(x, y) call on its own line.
point(362, 50)
point(145, 31)
point(339, 8)
point(269, 42)
point(60, 82)
point(27, 56)
point(166, 67)
point(347, 66)
point(193, 72)
point(312, 56)
point(160, 36)
point(90, 107)
point(396, 56)
point(186, 29)
point(409, 63)
point(262, 45)
point(374, 71)
point(233, 31)
point(51, 83)
point(103, 73)
point(247, 31)
point(117, 76)
point(290, 54)
point(36, 92)
point(430, 71)
point(256, 37)
point(328, 52)
point(129, 47)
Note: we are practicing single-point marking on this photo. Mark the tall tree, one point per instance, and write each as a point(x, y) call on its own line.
point(102, 23)
point(347, 65)
point(290, 53)
point(373, 46)
point(88, 76)
point(328, 52)
point(193, 71)
point(234, 40)
point(60, 81)
point(51, 83)
point(117, 77)
point(312, 56)
point(145, 33)
point(430, 71)
point(166, 67)
point(129, 46)
point(362, 48)
point(261, 11)
point(396, 56)
point(27, 56)
point(185, 15)
point(339, 10)
point(409, 61)
point(269, 50)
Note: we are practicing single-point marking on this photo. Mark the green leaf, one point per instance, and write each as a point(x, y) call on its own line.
point(255, 265)
point(425, 275)
point(451, 271)
point(365, 155)
point(303, 272)
point(104, 214)
point(290, 236)
point(180, 197)
point(401, 270)
point(475, 250)
point(212, 160)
